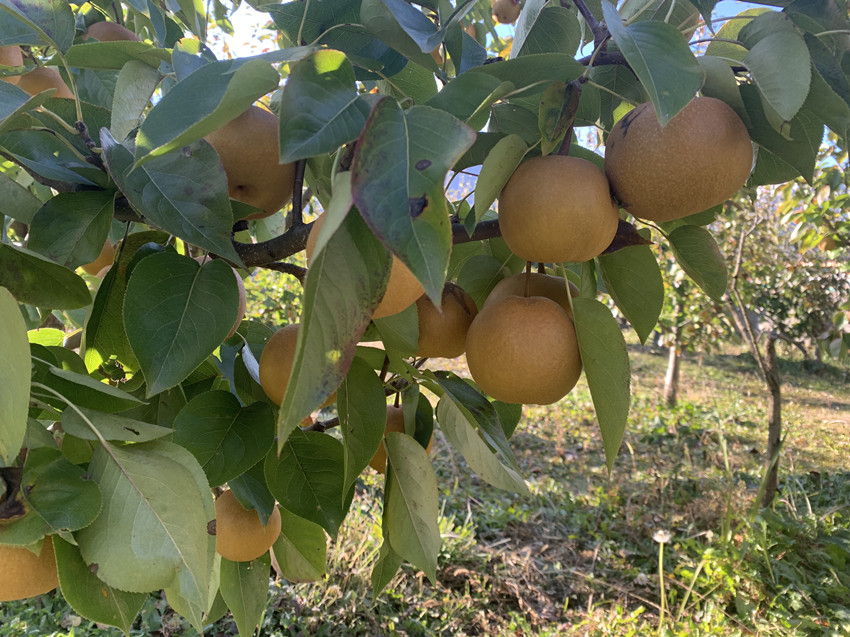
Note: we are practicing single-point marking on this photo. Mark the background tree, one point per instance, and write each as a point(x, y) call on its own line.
point(111, 450)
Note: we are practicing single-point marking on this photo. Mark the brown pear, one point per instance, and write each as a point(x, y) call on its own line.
point(557, 208)
point(535, 284)
point(42, 78)
point(248, 149)
point(11, 56)
point(442, 331)
point(110, 32)
point(506, 11)
point(698, 160)
point(524, 350)
point(276, 364)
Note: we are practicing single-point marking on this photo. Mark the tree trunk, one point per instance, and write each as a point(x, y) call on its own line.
point(671, 380)
point(774, 423)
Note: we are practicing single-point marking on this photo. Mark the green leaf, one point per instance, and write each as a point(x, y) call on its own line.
point(381, 23)
point(88, 595)
point(470, 95)
point(661, 59)
point(14, 101)
point(606, 368)
point(459, 431)
point(133, 90)
point(477, 409)
point(411, 504)
point(362, 407)
point(16, 201)
point(418, 27)
point(720, 82)
point(700, 257)
point(50, 483)
point(353, 40)
point(556, 30)
point(385, 568)
point(782, 70)
point(722, 46)
point(534, 71)
point(152, 532)
point(343, 287)
point(307, 479)
point(397, 180)
point(500, 164)
point(828, 106)
point(194, 15)
point(182, 193)
point(110, 426)
point(226, 438)
point(103, 334)
point(400, 332)
point(201, 103)
point(49, 155)
point(797, 152)
point(479, 275)
point(556, 114)
point(251, 490)
point(79, 389)
point(323, 108)
point(14, 378)
point(413, 82)
point(115, 55)
point(52, 19)
point(301, 549)
point(71, 227)
point(245, 589)
point(633, 280)
point(176, 313)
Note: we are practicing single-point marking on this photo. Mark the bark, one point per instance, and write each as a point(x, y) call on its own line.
point(671, 380)
point(774, 423)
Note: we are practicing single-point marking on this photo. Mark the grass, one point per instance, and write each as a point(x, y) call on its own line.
point(580, 555)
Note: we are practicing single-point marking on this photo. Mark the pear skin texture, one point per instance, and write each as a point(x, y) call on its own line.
point(276, 364)
point(557, 208)
point(524, 350)
point(403, 289)
point(110, 32)
point(506, 11)
point(26, 574)
point(442, 331)
point(104, 260)
point(248, 150)
point(551, 287)
point(42, 78)
point(698, 160)
point(11, 56)
point(239, 534)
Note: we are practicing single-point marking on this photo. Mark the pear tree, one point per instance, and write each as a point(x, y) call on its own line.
point(126, 401)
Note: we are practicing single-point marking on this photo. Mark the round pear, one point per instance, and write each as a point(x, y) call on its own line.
point(523, 350)
point(403, 288)
point(557, 208)
point(698, 160)
point(248, 149)
point(11, 56)
point(26, 574)
point(276, 364)
point(506, 11)
point(110, 32)
point(42, 78)
point(104, 260)
point(240, 536)
point(442, 331)
point(550, 287)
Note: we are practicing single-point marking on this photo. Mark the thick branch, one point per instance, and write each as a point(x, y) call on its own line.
point(484, 230)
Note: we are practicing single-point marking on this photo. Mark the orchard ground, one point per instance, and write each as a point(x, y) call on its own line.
point(580, 556)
